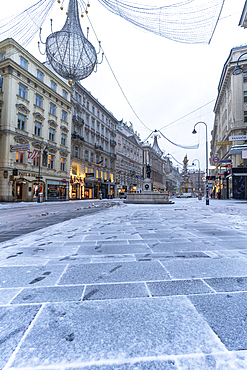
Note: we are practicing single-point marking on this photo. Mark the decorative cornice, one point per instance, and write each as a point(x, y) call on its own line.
point(38, 116)
point(21, 140)
point(22, 108)
point(52, 123)
point(64, 129)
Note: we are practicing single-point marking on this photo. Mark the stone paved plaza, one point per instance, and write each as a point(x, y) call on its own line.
point(128, 288)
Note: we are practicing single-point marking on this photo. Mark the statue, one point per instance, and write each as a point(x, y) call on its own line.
point(148, 171)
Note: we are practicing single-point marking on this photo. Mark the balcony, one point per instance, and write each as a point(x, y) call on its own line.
point(98, 147)
point(77, 119)
point(113, 155)
point(77, 137)
point(113, 142)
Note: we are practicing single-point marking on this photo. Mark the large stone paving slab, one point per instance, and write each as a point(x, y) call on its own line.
point(115, 330)
point(14, 323)
point(113, 272)
point(227, 316)
point(228, 284)
point(24, 276)
point(178, 287)
point(113, 249)
point(115, 291)
point(201, 268)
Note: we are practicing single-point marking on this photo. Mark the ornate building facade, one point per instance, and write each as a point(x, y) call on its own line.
point(93, 147)
point(35, 128)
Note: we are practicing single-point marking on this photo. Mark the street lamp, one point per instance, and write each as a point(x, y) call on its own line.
point(194, 132)
point(238, 70)
point(199, 187)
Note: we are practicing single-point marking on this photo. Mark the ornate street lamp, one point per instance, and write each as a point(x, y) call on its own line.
point(238, 70)
point(194, 132)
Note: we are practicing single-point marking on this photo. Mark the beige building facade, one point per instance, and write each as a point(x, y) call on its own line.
point(129, 164)
point(35, 128)
point(229, 140)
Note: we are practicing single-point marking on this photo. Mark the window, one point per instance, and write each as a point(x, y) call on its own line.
point(52, 109)
point(76, 130)
point(36, 161)
point(40, 75)
point(37, 128)
point(76, 152)
point(65, 94)
point(23, 62)
point(20, 157)
point(105, 162)
point(88, 105)
point(2, 56)
point(102, 117)
point(98, 113)
point(53, 86)
point(0, 116)
point(23, 91)
point(63, 164)
point(1, 84)
point(39, 101)
point(87, 120)
point(92, 139)
point(63, 139)
point(86, 155)
point(91, 157)
point(92, 123)
point(102, 130)
point(245, 116)
point(86, 137)
point(106, 133)
point(21, 122)
point(79, 98)
point(245, 76)
point(51, 134)
point(97, 127)
point(51, 161)
point(93, 110)
point(245, 96)
point(119, 147)
point(64, 115)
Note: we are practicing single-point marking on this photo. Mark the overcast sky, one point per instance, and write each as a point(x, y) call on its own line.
point(162, 79)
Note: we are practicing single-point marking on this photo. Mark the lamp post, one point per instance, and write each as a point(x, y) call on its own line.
point(238, 70)
point(194, 132)
point(199, 185)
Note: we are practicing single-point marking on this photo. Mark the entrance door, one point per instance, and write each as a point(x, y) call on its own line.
point(19, 191)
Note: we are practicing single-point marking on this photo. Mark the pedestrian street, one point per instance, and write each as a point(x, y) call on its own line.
point(130, 287)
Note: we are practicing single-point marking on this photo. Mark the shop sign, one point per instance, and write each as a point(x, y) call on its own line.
point(64, 181)
point(16, 148)
point(219, 143)
point(238, 137)
point(89, 174)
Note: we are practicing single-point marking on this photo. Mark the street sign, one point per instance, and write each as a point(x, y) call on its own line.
point(216, 159)
point(219, 143)
point(238, 137)
point(9, 183)
point(16, 148)
point(226, 161)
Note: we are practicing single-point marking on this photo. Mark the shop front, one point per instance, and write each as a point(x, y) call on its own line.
point(56, 190)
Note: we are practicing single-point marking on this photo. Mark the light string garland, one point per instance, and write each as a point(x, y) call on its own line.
point(190, 21)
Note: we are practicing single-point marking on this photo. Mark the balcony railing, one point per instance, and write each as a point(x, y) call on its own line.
point(113, 142)
point(78, 119)
point(113, 155)
point(77, 137)
point(98, 147)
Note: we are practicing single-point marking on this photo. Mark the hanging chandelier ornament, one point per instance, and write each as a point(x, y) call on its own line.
point(68, 51)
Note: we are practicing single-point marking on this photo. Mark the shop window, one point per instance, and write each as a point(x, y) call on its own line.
point(63, 164)
point(39, 101)
point(64, 115)
point(51, 134)
point(21, 122)
point(53, 86)
point(51, 161)
point(52, 109)
point(40, 75)
point(22, 91)
point(20, 157)
point(63, 139)
point(23, 62)
point(74, 169)
point(37, 128)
